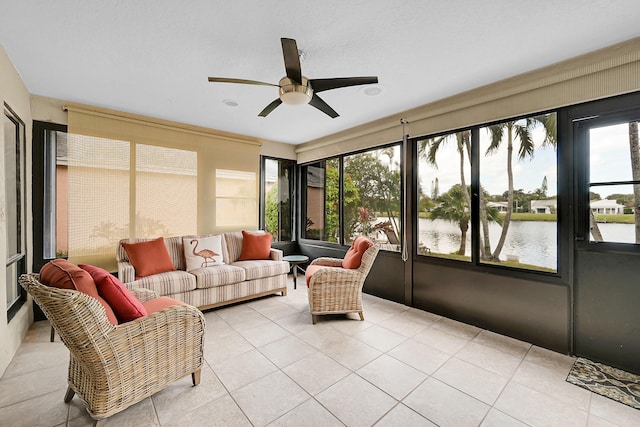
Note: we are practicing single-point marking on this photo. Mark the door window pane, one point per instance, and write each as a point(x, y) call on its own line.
point(278, 198)
point(518, 177)
point(614, 183)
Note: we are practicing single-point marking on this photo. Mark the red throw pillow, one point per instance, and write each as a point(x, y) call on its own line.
point(60, 273)
point(255, 246)
point(149, 258)
point(353, 257)
point(124, 304)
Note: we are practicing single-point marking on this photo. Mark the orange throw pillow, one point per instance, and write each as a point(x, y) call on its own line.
point(124, 304)
point(353, 257)
point(149, 258)
point(255, 246)
point(60, 273)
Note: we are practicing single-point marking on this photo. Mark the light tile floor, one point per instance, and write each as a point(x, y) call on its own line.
point(266, 364)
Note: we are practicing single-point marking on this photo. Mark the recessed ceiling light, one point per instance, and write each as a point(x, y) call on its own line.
point(230, 103)
point(371, 90)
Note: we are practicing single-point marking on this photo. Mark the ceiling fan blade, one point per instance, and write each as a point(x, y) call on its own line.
point(269, 108)
point(242, 81)
point(291, 60)
point(317, 102)
point(319, 85)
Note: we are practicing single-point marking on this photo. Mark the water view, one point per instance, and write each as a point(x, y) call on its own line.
point(531, 242)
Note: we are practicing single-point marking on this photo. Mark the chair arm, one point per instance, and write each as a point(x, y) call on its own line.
point(276, 254)
point(327, 261)
point(143, 294)
point(126, 272)
point(333, 277)
point(152, 348)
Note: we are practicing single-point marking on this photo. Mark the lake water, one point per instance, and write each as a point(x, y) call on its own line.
point(532, 242)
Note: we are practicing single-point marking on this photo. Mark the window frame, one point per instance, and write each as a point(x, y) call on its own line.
point(292, 166)
point(563, 222)
point(20, 258)
point(341, 226)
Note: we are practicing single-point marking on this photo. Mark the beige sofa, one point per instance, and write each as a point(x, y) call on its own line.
point(213, 286)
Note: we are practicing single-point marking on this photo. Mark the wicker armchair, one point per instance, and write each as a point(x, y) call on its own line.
point(113, 367)
point(336, 290)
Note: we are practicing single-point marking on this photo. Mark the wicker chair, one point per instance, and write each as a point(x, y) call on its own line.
point(113, 367)
point(336, 290)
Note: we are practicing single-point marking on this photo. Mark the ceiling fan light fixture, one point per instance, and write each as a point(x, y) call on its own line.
point(293, 93)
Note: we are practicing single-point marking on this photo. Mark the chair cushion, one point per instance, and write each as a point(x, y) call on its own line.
point(202, 252)
point(255, 246)
point(124, 304)
point(312, 269)
point(149, 257)
point(60, 273)
point(353, 257)
point(157, 304)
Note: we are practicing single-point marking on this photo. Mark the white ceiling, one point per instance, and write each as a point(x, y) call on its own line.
point(153, 57)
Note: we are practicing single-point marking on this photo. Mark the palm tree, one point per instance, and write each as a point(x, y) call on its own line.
point(452, 207)
point(517, 131)
point(428, 150)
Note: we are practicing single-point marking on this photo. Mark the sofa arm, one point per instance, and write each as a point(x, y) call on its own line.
point(327, 262)
point(143, 294)
point(275, 254)
point(126, 272)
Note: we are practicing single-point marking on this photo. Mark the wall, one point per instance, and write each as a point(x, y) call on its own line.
point(14, 93)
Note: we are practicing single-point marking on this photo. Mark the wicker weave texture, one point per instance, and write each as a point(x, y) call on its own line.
point(339, 290)
point(114, 367)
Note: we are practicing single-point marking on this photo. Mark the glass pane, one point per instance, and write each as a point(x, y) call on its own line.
point(49, 194)
point(614, 156)
point(166, 191)
point(322, 194)
point(12, 284)
point(444, 198)
point(371, 191)
point(518, 175)
point(12, 186)
point(278, 198)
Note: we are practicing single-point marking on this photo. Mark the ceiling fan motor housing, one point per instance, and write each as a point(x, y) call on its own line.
point(294, 93)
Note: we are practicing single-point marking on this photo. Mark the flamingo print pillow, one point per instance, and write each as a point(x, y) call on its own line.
point(201, 252)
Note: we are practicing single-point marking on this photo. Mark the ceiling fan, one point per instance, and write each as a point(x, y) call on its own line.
point(296, 89)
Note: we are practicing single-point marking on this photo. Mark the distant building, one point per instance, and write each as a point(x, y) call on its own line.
point(544, 206)
point(606, 207)
point(501, 206)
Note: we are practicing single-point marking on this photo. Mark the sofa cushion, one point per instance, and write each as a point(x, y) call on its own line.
point(150, 257)
point(353, 257)
point(210, 277)
point(60, 273)
point(202, 252)
point(122, 302)
point(171, 282)
point(257, 269)
point(255, 246)
point(155, 305)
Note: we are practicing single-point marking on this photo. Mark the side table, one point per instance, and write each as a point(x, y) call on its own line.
point(296, 260)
